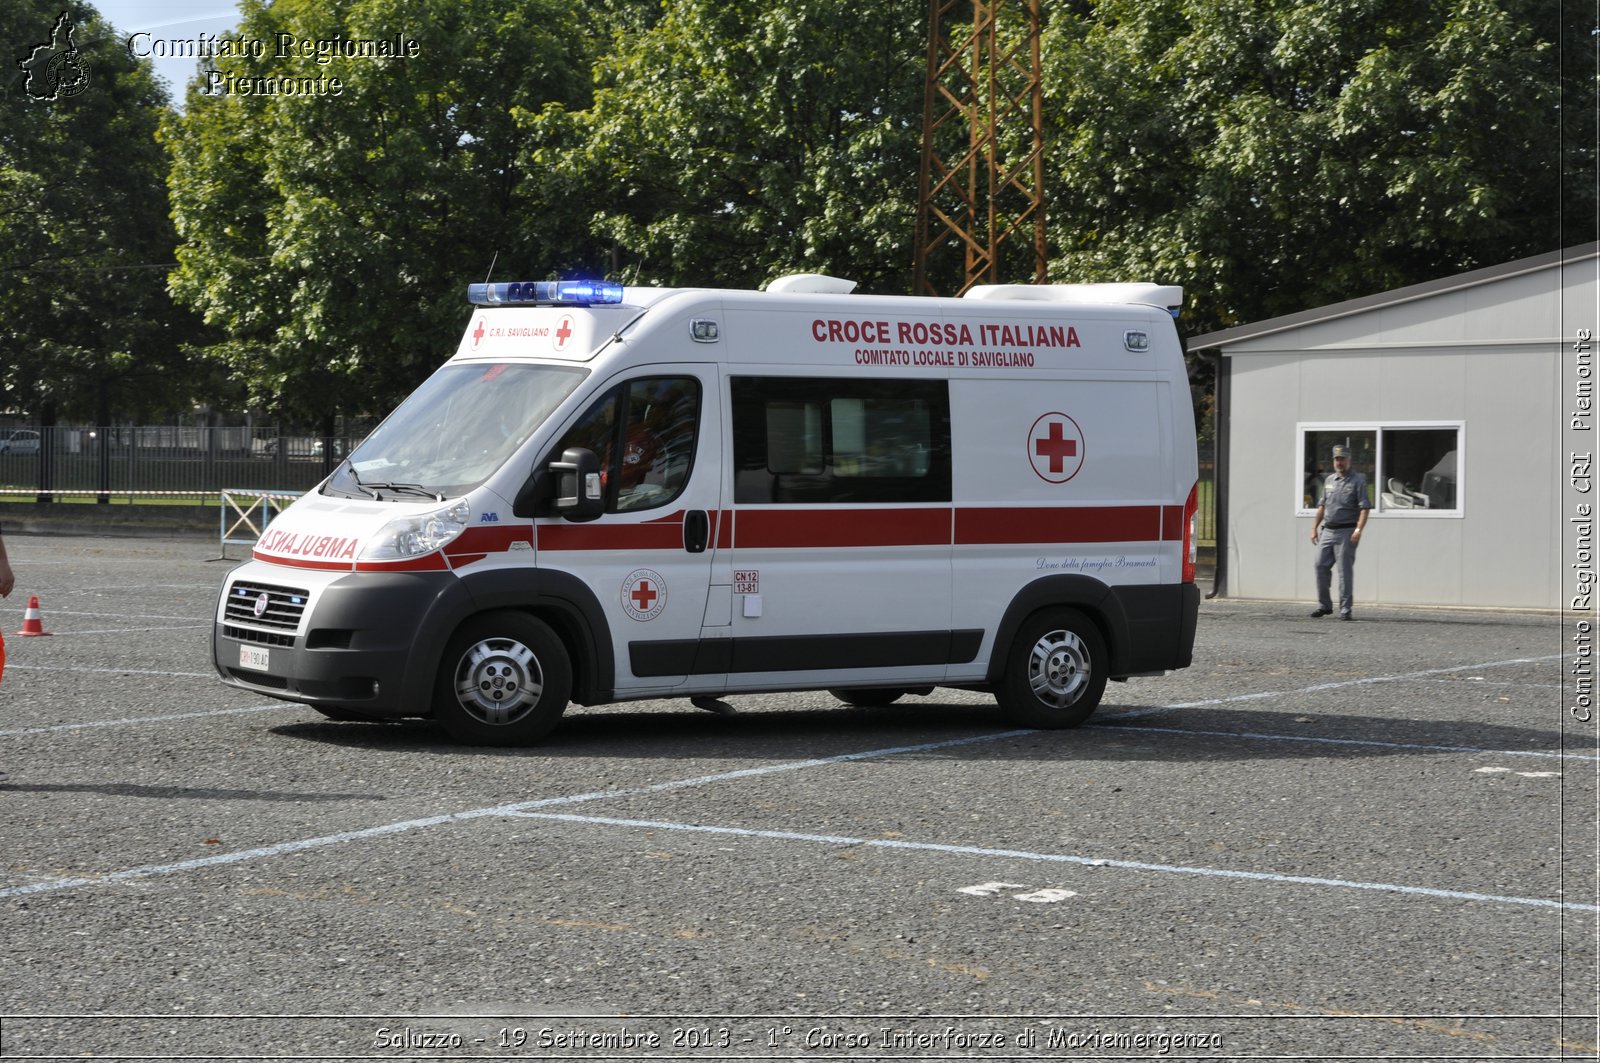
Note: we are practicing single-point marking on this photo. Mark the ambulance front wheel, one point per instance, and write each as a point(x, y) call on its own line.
point(1056, 672)
point(504, 680)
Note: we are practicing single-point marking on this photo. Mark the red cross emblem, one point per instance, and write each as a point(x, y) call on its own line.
point(644, 594)
point(563, 332)
point(1055, 447)
point(477, 334)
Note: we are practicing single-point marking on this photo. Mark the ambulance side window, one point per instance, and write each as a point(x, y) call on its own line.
point(644, 434)
point(824, 440)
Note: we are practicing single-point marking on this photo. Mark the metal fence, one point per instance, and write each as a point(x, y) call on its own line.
point(1205, 516)
point(153, 461)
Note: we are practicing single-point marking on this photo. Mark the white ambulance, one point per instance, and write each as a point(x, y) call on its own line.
point(611, 493)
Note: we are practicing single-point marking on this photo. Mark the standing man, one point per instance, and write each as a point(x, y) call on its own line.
point(1336, 532)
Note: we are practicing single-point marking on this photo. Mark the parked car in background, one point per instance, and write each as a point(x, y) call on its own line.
point(297, 446)
point(20, 441)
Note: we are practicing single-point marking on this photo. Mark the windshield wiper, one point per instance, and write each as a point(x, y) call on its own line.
point(385, 485)
point(371, 488)
point(357, 480)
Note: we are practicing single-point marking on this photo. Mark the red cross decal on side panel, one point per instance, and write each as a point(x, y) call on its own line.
point(644, 594)
point(563, 332)
point(1055, 447)
point(477, 334)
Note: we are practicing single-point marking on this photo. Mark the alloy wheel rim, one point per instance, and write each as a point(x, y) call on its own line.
point(499, 681)
point(1059, 669)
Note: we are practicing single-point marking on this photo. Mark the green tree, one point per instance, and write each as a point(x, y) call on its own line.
point(1273, 155)
point(328, 232)
point(87, 330)
point(731, 143)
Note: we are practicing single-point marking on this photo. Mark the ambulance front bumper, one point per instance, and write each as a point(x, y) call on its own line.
point(330, 639)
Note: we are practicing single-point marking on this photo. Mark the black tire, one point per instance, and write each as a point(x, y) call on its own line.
point(504, 680)
point(1055, 670)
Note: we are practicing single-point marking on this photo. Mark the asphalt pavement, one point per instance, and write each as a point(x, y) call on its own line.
point(1323, 840)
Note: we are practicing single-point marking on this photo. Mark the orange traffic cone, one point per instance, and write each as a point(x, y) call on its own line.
point(32, 622)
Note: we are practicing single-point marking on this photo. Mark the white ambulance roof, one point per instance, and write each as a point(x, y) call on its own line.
point(578, 331)
point(812, 284)
point(1166, 296)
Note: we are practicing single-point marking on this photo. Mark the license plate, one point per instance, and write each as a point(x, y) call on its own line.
point(254, 657)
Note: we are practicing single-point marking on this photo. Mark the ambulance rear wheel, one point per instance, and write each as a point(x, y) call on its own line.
point(504, 680)
point(1056, 671)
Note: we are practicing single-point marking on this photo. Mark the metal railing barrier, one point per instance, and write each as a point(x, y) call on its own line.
point(251, 511)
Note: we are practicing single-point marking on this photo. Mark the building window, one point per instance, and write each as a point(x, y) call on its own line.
point(1419, 468)
point(825, 440)
point(1412, 468)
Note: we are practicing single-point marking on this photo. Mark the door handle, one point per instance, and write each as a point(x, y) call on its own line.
point(696, 531)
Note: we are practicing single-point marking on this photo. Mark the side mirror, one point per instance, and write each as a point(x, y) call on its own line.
point(569, 488)
point(580, 495)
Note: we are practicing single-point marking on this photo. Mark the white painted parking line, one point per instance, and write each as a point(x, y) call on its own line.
point(104, 615)
point(1318, 688)
point(132, 720)
point(1064, 858)
point(1423, 747)
point(1479, 681)
point(113, 671)
point(530, 809)
point(69, 632)
point(1524, 774)
point(1018, 891)
point(388, 829)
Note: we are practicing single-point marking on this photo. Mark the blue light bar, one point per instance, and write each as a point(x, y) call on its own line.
point(529, 293)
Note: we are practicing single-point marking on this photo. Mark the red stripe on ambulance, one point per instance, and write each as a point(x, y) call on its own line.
point(1058, 524)
point(663, 533)
point(813, 528)
point(771, 529)
point(477, 543)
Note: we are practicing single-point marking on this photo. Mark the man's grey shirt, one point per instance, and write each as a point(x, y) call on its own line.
point(1343, 499)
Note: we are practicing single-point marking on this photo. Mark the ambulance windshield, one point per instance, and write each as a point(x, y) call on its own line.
point(454, 431)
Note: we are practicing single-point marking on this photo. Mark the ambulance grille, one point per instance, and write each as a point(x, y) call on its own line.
point(284, 605)
point(262, 638)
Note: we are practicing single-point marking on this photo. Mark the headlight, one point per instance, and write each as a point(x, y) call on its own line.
point(414, 536)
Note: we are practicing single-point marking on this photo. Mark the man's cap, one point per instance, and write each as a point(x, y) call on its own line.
point(1341, 451)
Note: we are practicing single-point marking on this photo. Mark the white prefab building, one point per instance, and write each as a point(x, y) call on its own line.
point(1462, 401)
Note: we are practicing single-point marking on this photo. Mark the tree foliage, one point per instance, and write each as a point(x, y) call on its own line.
point(330, 236)
point(1274, 155)
point(85, 323)
point(1268, 154)
point(731, 143)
